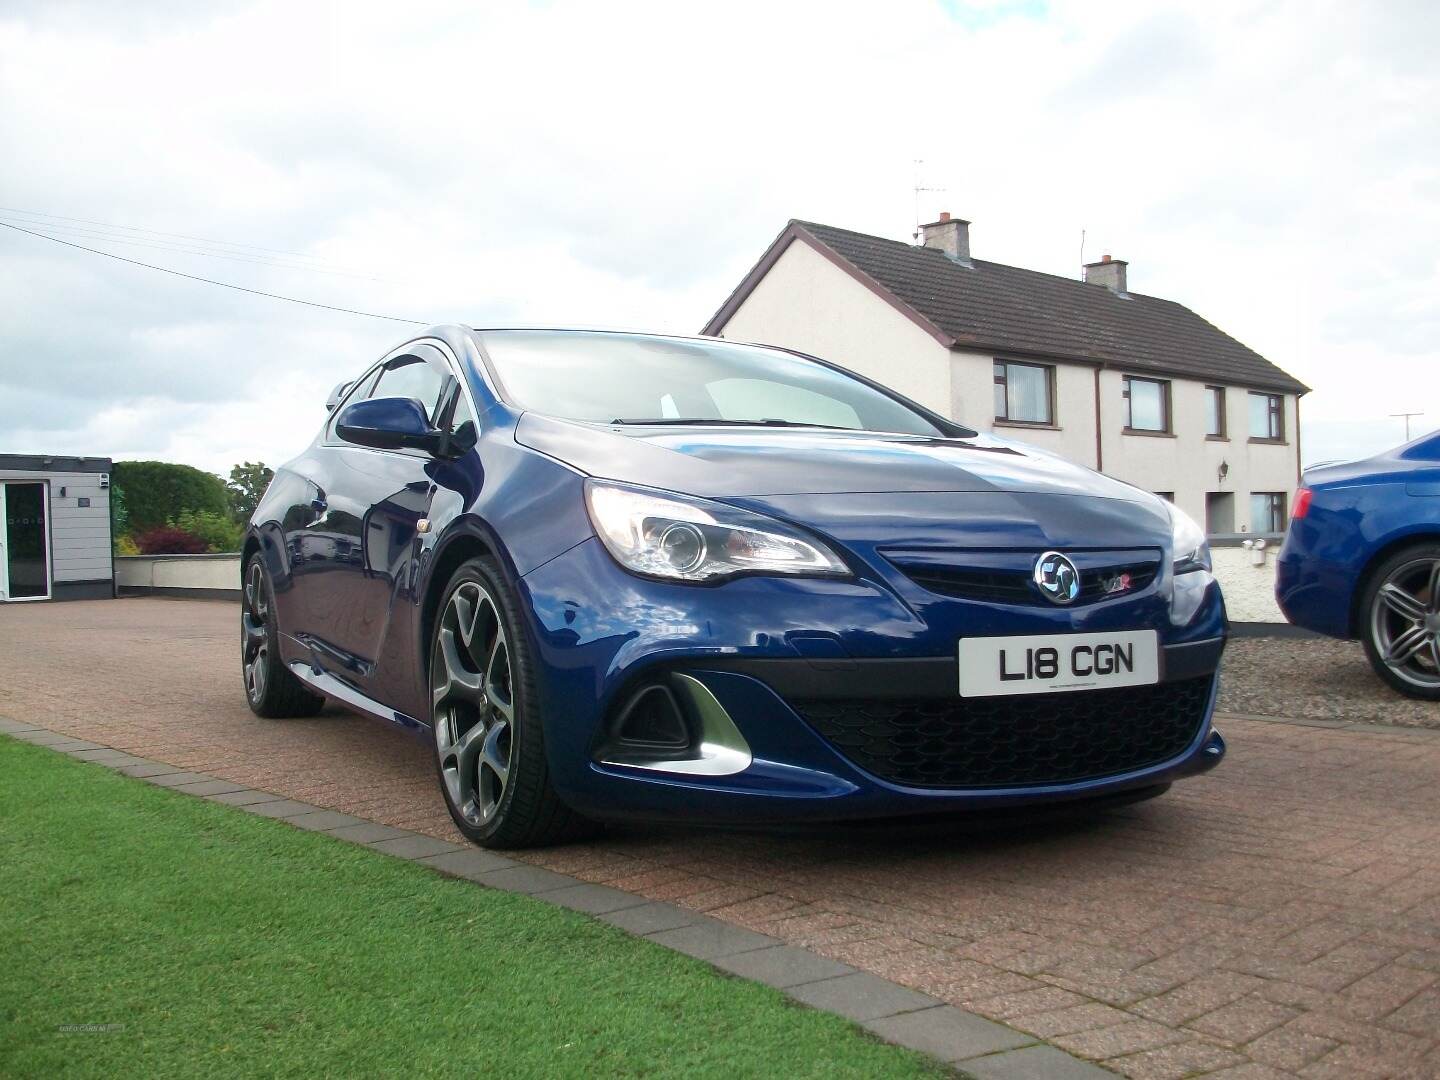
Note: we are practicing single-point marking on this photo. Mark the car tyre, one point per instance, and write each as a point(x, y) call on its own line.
point(1400, 621)
point(489, 737)
point(271, 689)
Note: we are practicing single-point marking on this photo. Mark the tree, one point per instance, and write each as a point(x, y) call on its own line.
point(119, 514)
point(246, 487)
point(156, 491)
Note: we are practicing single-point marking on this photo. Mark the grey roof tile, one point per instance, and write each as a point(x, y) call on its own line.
point(1009, 310)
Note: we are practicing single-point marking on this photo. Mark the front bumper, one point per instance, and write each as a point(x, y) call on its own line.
point(769, 650)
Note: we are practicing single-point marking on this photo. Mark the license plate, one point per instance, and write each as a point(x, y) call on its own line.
point(1054, 663)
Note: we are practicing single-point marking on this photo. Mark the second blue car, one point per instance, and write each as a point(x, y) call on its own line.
point(1362, 561)
point(615, 575)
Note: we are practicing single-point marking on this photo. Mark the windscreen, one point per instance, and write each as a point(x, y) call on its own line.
point(633, 378)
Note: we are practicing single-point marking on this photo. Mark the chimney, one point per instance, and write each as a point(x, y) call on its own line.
point(950, 235)
point(1108, 272)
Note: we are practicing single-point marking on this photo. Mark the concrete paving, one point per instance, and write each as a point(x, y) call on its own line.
point(1277, 917)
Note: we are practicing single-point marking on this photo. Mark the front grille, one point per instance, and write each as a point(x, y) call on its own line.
point(1020, 741)
point(1015, 587)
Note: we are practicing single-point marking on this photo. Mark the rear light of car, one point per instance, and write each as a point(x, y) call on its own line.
point(1302, 504)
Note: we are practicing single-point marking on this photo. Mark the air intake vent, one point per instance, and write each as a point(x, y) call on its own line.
point(652, 721)
point(1020, 741)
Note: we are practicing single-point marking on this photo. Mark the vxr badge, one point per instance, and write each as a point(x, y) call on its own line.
point(1056, 578)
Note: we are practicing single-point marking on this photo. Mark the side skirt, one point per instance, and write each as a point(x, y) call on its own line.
point(324, 683)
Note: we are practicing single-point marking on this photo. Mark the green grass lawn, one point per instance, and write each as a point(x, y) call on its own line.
point(206, 941)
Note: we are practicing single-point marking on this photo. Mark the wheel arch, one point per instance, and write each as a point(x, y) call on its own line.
point(464, 542)
point(1428, 534)
point(251, 546)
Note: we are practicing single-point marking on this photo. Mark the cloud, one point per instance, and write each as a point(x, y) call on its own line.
point(1272, 165)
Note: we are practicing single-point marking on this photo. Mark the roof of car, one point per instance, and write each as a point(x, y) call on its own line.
point(1003, 309)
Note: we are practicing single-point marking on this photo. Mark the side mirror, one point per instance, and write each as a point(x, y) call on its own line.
point(335, 396)
point(391, 423)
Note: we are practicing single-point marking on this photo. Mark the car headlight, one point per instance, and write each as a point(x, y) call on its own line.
point(1192, 552)
point(681, 538)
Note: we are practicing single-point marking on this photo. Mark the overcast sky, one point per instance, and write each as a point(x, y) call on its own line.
point(1275, 166)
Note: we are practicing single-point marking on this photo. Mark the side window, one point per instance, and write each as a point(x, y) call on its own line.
point(359, 390)
point(411, 377)
point(462, 413)
point(362, 388)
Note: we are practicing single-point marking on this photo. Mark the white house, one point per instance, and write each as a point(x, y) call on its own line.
point(1135, 386)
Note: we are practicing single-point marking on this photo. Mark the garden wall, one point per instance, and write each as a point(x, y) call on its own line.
point(197, 576)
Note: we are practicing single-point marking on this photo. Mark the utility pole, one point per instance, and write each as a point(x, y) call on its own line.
point(1407, 416)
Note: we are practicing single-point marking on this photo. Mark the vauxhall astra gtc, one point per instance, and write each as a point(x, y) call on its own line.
point(611, 575)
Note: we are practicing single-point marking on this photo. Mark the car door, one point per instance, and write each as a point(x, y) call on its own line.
point(355, 553)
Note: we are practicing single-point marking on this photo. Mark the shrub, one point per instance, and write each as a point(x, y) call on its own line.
point(218, 531)
point(125, 545)
point(156, 491)
point(167, 540)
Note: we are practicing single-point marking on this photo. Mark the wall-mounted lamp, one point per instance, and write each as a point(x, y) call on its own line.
point(1223, 471)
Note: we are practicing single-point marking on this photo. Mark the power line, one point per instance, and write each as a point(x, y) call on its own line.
point(159, 240)
point(210, 281)
point(157, 232)
point(182, 249)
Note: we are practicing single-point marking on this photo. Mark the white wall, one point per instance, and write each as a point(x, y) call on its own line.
point(178, 572)
point(1188, 463)
point(1185, 462)
point(808, 303)
point(972, 381)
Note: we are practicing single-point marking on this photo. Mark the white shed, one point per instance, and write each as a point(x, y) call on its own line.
point(55, 528)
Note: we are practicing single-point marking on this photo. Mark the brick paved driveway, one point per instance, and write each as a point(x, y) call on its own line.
point(1278, 917)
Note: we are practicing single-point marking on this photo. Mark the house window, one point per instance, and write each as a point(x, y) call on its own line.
point(1168, 496)
point(1267, 416)
point(1147, 404)
point(1215, 412)
point(1023, 393)
point(1267, 511)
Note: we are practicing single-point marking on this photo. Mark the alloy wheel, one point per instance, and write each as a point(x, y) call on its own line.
point(255, 632)
point(1405, 622)
point(473, 703)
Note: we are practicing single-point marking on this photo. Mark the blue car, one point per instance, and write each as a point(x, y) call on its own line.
point(1362, 560)
point(615, 575)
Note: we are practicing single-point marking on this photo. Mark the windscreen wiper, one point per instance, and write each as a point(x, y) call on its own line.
point(710, 421)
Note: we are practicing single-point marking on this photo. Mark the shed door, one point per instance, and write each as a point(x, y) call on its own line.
point(24, 542)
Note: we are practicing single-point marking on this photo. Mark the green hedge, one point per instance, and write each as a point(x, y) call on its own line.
point(157, 491)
